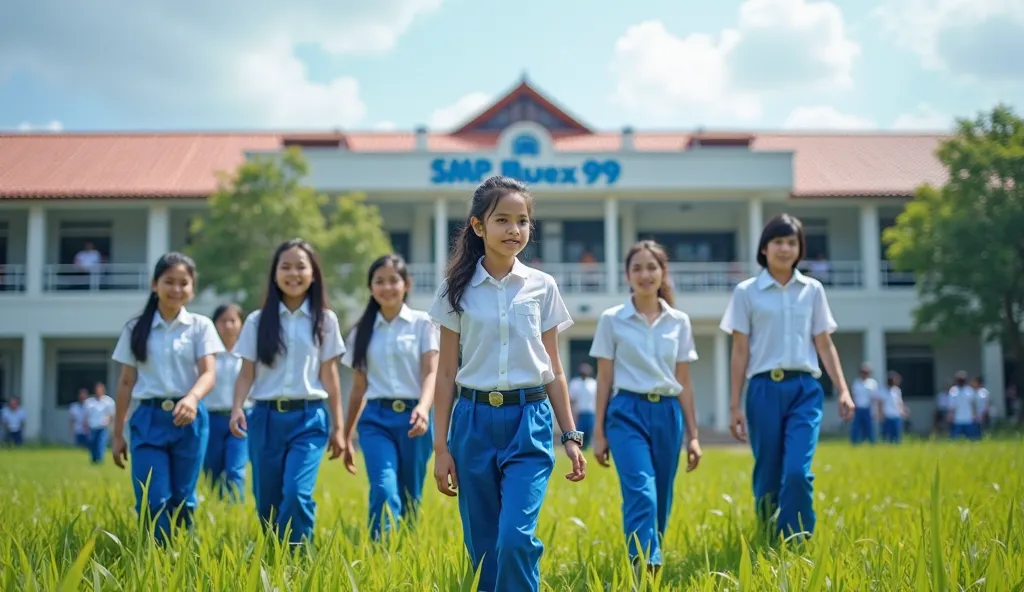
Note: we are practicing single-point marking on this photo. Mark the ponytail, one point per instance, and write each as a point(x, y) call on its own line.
point(143, 325)
point(469, 248)
point(665, 292)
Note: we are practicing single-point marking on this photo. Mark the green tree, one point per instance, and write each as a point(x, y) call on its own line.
point(964, 241)
point(265, 203)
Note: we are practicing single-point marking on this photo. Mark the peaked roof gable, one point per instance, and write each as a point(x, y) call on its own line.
point(523, 103)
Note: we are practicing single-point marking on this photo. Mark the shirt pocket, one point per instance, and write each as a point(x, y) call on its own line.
point(405, 345)
point(183, 347)
point(527, 317)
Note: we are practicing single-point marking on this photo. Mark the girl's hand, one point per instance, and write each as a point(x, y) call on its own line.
point(120, 450)
point(238, 423)
point(601, 449)
point(846, 407)
point(579, 463)
point(418, 421)
point(185, 411)
point(444, 469)
point(336, 444)
point(738, 424)
point(693, 454)
point(350, 464)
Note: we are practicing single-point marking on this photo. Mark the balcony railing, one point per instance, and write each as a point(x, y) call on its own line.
point(12, 278)
point(891, 278)
point(836, 274)
point(107, 276)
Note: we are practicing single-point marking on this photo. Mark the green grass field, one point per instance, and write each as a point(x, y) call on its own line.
point(885, 523)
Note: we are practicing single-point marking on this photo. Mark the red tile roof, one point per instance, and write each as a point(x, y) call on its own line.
point(186, 164)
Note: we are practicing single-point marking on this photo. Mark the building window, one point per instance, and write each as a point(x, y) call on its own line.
point(696, 247)
point(400, 243)
point(916, 365)
point(525, 145)
point(77, 369)
point(583, 241)
point(579, 352)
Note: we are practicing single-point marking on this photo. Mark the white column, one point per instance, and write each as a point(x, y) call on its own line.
point(870, 247)
point(158, 235)
point(32, 383)
point(755, 224)
point(627, 213)
point(611, 244)
point(35, 250)
point(440, 238)
point(722, 392)
point(874, 354)
point(992, 372)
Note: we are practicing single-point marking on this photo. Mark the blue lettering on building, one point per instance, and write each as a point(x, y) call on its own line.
point(450, 171)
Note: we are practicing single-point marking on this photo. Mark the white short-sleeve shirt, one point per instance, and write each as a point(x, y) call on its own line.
point(173, 350)
point(77, 413)
point(296, 373)
point(222, 395)
point(644, 354)
point(864, 391)
point(394, 355)
point(501, 325)
point(964, 403)
point(583, 394)
point(892, 402)
point(781, 321)
point(99, 411)
point(12, 419)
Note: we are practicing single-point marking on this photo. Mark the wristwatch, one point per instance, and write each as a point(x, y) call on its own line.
point(575, 435)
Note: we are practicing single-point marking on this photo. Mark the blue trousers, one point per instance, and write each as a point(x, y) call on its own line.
point(863, 427)
point(783, 424)
point(396, 465)
point(82, 441)
point(646, 440)
point(286, 448)
point(504, 457)
point(585, 424)
point(892, 430)
point(97, 443)
point(226, 459)
point(171, 458)
point(14, 438)
point(964, 430)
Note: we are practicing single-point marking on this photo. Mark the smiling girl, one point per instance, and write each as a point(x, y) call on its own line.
point(167, 366)
point(781, 323)
point(290, 350)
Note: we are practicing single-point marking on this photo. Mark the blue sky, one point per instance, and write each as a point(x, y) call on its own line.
point(652, 64)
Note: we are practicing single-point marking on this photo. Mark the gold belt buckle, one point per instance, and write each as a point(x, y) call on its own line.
point(777, 374)
point(167, 405)
point(279, 405)
point(653, 397)
point(495, 398)
point(398, 406)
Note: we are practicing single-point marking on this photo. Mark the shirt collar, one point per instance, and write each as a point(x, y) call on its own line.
point(629, 309)
point(765, 279)
point(184, 317)
point(303, 308)
point(404, 313)
point(519, 269)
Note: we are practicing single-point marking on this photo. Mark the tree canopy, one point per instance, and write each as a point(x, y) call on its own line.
point(264, 203)
point(965, 240)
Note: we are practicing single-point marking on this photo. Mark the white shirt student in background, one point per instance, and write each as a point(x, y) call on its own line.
point(13, 418)
point(79, 427)
point(963, 408)
point(583, 398)
point(892, 409)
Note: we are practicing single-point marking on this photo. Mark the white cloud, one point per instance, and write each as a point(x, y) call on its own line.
point(777, 46)
point(825, 117)
point(232, 62)
point(971, 39)
point(458, 112)
point(51, 126)
point(385, 126)
point(924, 117)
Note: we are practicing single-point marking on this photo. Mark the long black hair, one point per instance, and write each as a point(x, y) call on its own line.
point(364, 329)
point(144, 322)
point(665, 291)
point(469, 247)
point(780, 226)
point(269, 340)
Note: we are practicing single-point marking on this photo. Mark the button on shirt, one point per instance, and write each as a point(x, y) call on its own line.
point(864, 391)
point(222, 395)
point(173, 350)
point(781, 321)
point(99, 411)
point(295, 373)
point(393, 357)
point(964, 403)
point(644, 354)
point(501, 325)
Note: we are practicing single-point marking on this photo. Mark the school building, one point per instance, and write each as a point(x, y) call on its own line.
point(83, 218)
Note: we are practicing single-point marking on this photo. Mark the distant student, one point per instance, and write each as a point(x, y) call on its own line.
point(226, 454)
point(644, 349)
point(290, 350)
point(781, 323)
point(167, 367)
point(499, 453)
point(100, 411)
point(13, 418)
point(865, 393)
point(963, 409)
point(583, 397)
point(984, 405)
point(76, 414)
point(892, 410)
point(393, 357)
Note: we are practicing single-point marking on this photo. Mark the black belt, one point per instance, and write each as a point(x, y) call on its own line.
point(219, 411)
point(504, 398)
point(396, 405)
point(284, 405)
point(165, 404)
point(652, 397)
point(778, 374)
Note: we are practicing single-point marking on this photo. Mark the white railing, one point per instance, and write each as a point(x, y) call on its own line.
point(106, 276)
point(12, 278)
point(423, 277)
point(578, 278)
point(835, 274)
point(891, 278)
